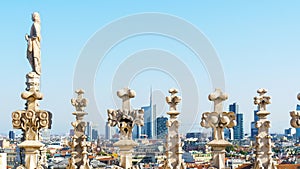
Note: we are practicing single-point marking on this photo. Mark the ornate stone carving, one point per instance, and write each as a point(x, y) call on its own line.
point(34, 44)
point(43, 157)
point(218, 120)
point(78, 144)
point(125, 119)
point(263, 145)
point(79, 103)
point(173, 142)
point(32, 119)
point(295, 121)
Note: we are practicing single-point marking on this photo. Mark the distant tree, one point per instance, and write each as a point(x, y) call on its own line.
point(230, 149)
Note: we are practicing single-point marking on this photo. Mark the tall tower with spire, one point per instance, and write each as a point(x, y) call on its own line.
point(149, 128)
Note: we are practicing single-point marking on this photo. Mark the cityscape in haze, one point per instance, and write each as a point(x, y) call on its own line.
point(257, 46)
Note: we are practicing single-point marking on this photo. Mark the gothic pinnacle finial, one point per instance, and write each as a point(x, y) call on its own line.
point(262, 100)
point(173, 100)
point(79, 103)
point(126, 94)
point(218, 96)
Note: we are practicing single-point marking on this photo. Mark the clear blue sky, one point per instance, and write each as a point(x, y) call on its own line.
point(257, 44)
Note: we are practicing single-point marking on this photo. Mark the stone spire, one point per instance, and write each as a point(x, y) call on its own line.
point(31, 121)
point(264, 144)
point(78, 144)
point(218, 120)
point(125, 119)
point(295, 121)
point(173, 142)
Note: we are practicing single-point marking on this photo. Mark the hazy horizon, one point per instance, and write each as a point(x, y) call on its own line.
point(253, 45)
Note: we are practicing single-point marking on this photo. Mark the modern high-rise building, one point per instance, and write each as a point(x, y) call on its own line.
point(94, 134)
point(298, 129)
point(234, 108)
point(228, 133)
point(108, 132)
point(254, 130)
point(161, 127)
point(88, 130)
point(289, 132)
point(11, 135)
point(238, 133)
point(149, 127)
point(238, 130)
point(136, 132)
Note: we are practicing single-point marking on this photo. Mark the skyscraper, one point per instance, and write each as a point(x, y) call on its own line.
point(94, 134)
point(89, 130)
point(238, 130)
point(228, 133)
point(107, 131)
point(149, 127)
point(238, 134)
point(254, 130)
point(161, 127)
point(234, 108)
point(11, 135)
point(136, 133)
point(298, 129)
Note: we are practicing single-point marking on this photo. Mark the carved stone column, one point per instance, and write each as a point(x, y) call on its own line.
point(78, 144)
point(125, 119)
point(295, 121)
point(264, 144)
point(173, 142)
point(218, 120)
point(30, 121)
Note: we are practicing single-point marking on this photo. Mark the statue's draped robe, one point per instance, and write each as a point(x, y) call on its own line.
point(34, 48)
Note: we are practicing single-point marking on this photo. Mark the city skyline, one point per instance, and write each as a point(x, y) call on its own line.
point(257, 46)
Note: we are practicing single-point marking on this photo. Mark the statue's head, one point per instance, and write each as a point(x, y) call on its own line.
point(35, 17)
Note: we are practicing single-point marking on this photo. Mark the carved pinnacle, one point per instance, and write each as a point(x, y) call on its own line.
point(79, 103)
point(262, 101)
point(173, 100)
point(218, 97)
point(126, 94)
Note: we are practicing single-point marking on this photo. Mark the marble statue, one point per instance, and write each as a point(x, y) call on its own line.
point(32, 119)
point(34, 44)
